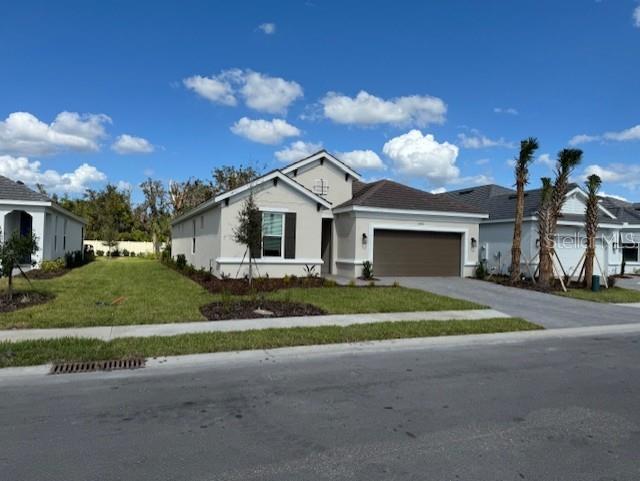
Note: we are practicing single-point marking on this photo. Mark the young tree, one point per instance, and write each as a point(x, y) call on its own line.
point(156, 211)
point(592, 184)
point(568, 159)
point(249, 230)
point(527, 150)
point(14, 251)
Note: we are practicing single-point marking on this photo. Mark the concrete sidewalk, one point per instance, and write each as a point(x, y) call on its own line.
point(107, 333)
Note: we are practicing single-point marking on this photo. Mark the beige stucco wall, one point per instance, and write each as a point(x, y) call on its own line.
point(132, 246)
point(352, 225)
point(339, 186)
point(207, 224)
point(277, 198)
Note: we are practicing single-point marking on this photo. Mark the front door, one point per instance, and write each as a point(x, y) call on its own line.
point(326, 246)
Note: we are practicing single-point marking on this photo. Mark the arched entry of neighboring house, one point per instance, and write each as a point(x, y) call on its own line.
point(21, 222)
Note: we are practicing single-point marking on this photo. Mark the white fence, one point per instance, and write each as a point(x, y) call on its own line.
point(131, 246)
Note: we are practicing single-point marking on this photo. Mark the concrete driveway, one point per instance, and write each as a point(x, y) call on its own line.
point(545, 309)
point(632, 283)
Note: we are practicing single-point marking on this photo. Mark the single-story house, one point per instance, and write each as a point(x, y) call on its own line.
point(24, 210)
point(318, 214)
point(629, 215)
point(496, 232)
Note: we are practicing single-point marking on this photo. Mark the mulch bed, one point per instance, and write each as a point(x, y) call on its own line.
point(239, 287)
point(22, 299)
point(527, 284)
point(219, 311)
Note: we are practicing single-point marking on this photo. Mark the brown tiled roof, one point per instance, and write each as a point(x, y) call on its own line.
point(387, 194)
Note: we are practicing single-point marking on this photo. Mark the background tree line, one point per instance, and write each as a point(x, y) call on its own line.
point(112, 216)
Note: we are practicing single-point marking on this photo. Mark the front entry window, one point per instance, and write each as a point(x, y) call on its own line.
point(272, 229)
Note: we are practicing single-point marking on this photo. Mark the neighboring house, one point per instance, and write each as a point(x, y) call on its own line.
point(24, 210)
point(496, 232)
point(629, 215)
point(317, 213)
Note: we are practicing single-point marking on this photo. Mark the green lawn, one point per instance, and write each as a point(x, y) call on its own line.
point(149, 292)
point(73, 349)
point(152, 293)
point(352, 300)
point(613, 294)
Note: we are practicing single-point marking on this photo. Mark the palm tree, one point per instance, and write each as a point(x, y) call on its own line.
point(527, 149)
point(591, 225)
point(544, 215)
point(568, 159)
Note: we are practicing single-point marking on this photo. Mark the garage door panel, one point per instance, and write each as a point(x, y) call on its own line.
point(416, 253)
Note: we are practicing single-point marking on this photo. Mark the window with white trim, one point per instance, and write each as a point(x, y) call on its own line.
point(630, 252)
point(272, 234)
point(321, 186)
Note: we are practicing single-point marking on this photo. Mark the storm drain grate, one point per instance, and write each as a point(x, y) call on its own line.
point(89, 366)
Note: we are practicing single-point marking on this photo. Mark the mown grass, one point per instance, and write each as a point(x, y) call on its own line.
point(353, 300)
point(147, 292)
point(613, 294)
point(27, 353)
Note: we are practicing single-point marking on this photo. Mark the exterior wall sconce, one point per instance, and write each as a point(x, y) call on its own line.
point(474, 243)
point(537, 242)
point(615, 246)
point(365, 239)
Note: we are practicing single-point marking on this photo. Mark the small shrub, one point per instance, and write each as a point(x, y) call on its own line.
point(481, 270)
point(132, 254)
point(395, 284)
point(125, 253)
point(181, 261)
point(329, 283)
point(53, 265)
point(100, 253)
point(611, 281)
point(310, 271)
point(352, 283)
point(115, 253)
point(367, 270)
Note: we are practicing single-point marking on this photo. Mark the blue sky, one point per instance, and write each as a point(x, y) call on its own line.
point(435, 94)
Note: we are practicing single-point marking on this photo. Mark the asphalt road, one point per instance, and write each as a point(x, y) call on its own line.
point(550, 409)
point(548, 310)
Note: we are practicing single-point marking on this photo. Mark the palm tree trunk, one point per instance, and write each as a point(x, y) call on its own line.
point(588, 263)
point(516, 251)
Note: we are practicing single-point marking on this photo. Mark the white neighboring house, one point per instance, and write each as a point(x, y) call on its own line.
point(496, 232)
point(629, 215)
point(24, 210)
point(317, 213)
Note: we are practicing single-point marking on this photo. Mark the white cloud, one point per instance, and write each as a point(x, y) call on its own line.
point(583, 139)
point(269, 94)
point(545, 159)
point(264, 131)
point(439, 190)
point(260, 91)
point(626, 175)
point(366, 109)
point(297, 150)
point(22, 133)
point(636, 16)
point(421, 155)
point(607, 175)
point(128, 144)
point(508, 110)
point(478, 141)
point(21, 168)
point(362, 159)
point(124, 185)
point(216, 89)
point(268, 28)
point(632, 133)
point(626, 135)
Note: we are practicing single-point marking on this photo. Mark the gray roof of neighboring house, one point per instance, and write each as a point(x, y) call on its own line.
point(624, 211)
point(387, 194)
point(11, 190)
point(500, 202)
